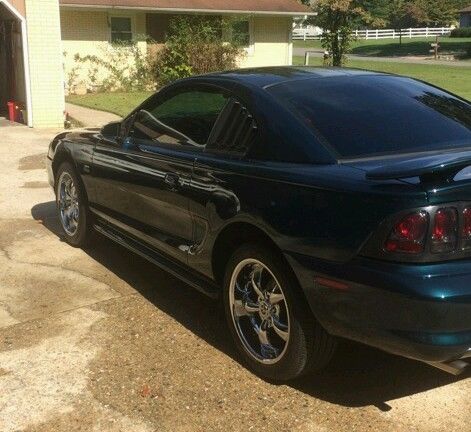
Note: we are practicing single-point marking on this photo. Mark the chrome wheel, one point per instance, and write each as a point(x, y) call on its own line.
point(68, 202)
point(259, 311)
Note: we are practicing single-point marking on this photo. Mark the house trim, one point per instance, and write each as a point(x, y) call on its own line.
point(195, 11)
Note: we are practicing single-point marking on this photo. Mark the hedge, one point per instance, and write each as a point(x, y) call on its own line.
point(462, 32)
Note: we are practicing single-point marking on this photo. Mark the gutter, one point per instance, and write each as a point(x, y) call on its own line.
point(196, 11)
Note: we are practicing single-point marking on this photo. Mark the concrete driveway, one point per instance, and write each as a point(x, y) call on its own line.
point(100, 340)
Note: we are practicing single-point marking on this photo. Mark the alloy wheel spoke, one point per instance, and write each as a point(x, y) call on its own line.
point(251, 307)
point(243, 308)
point(72, 224)
point(63, 200)
point(75, 213)
point(239, 309)
point(67, 213)
point(275, 298)
point(257, 273)
point(280, 329)
point(67, 189)
point(261, 331)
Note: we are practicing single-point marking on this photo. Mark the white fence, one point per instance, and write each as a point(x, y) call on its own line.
point(310, 32)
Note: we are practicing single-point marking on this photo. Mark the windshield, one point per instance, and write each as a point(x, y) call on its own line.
point(372, 115)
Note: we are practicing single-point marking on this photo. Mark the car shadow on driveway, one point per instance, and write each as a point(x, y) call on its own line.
point(358, 375)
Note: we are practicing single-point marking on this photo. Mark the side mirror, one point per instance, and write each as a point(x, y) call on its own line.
point(111, 130)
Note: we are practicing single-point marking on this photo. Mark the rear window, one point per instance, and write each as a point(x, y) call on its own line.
point(373, 115)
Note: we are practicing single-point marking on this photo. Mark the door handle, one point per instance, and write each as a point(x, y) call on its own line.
point(172, 180)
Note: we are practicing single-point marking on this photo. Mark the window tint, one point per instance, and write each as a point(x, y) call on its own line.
point(121, 29)
point(371, 115)
point(186, 118)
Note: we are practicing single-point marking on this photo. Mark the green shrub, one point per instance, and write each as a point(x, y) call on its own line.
point(195, 45)
point(120, 66)
point(462, 32)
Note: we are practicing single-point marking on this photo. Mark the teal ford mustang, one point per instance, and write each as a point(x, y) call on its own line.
point(317, 204)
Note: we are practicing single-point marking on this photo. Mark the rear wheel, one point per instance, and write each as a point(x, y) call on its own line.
point(269, 319)
point(72, 208)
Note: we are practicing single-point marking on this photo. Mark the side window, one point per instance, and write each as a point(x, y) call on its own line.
point(235, 131)
point(186, 118)
point(241, 32)
point(121, 29)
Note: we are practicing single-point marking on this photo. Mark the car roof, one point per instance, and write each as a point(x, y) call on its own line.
point(267, 76)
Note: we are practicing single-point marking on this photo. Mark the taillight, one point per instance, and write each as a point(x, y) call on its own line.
point(428, 234)
point(445, 229)
point(408, 235)
point(466, 230)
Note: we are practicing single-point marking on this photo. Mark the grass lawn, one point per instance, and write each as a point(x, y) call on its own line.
point(392, 48)
point(452, 78)
point(123, 103)
point(116, 103)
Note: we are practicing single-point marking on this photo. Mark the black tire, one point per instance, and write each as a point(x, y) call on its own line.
point(309, 347)
point(83, 233)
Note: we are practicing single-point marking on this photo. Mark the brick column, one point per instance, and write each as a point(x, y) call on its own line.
point(45, 61)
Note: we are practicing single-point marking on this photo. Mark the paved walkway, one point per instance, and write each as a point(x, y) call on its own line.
point(101, 340)
point(5, 122)
point(319, 53)
point(89, 117)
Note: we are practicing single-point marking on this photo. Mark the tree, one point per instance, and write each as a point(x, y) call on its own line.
point(406, 13)
point(460, 4)
point(377, 10)
point(417, 13)
point(441, 12)
point(337, 19)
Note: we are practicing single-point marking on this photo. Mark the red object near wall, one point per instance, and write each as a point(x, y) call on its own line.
point(13, 111)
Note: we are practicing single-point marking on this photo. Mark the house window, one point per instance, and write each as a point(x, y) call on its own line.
point(241, 33)
point(121, 29)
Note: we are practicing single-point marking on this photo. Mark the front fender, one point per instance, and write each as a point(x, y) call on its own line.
point(76, 148)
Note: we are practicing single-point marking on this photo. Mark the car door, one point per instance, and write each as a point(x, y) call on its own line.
point(143, 185)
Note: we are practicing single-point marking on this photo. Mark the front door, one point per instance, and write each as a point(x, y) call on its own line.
point(144, 184)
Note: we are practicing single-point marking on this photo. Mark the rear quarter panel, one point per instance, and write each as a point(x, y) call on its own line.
point(323, 211)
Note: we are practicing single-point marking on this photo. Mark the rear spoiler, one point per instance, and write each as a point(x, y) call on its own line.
point(435, 167)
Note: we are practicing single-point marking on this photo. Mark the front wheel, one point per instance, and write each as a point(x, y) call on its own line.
point(72, 208)
point(269, 319)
